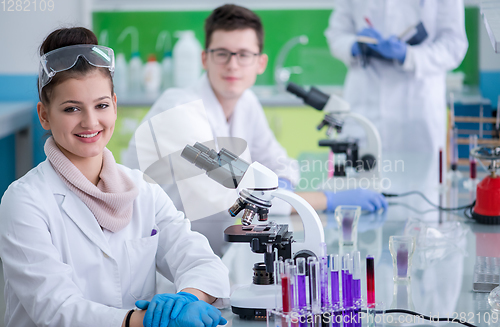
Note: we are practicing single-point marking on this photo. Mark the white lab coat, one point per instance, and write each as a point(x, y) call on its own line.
point(249, 123)
point(405, 102)
point(61, 269)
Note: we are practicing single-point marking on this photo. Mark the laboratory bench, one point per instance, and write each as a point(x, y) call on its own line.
point(449, 247)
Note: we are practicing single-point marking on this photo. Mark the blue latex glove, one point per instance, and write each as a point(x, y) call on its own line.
point(366, 199)
point(392, 48)
point(285, 183)
point(164, 307)
point(370, 32)
point(198, 314)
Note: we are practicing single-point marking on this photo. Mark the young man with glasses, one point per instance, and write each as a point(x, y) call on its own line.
point(232, 59)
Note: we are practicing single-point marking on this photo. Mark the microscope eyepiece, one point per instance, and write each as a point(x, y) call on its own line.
point(200, 159)
point(297, 90)
point(224, 167)
point(190, 153)
point(315, 98)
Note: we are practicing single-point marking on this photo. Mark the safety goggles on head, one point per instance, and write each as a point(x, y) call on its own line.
point(65, 58)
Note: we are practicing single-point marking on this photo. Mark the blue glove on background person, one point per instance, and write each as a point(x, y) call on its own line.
point(164, 307)
point(198, 314)
point(369, 32)
point(391, 48)
point(366, 199)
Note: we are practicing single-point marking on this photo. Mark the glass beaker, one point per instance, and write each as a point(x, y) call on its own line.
point(347, 219)
point(402, 249)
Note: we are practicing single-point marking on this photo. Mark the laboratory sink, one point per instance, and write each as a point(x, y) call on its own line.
point(269, 95)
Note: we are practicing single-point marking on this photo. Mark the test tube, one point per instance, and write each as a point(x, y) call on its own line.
point(301, 285)
point(285, 295)
point(287, 287)
point(323, 251)
point(346, 290)
point(314, 278)
point(472, 160)
point(325, 300)
point(349, 283)
point(356, 278)
point(334, 280)
point(454, 149)
point(370, 281)
point(345, 271)
point(278, 267)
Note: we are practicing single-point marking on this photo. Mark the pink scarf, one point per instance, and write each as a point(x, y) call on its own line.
point(111, 201)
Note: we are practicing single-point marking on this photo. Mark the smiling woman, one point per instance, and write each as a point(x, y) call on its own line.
point(83, 232)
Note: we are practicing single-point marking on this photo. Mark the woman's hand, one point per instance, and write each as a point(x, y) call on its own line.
point(164, 307)
point(199, 314)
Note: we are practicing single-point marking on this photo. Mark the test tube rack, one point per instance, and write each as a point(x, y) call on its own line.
point(328, 294)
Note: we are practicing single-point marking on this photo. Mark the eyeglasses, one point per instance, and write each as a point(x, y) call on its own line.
point(223, 56)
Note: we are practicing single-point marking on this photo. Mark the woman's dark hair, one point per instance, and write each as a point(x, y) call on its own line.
point(231, 18)
point(64, 37)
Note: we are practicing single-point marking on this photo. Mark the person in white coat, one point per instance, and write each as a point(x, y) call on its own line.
point(82, 237)
point(401, 88)
point(232, 59)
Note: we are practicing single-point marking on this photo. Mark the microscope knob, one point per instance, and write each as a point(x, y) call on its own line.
point(369, 162)
point(255, 245)
point(269, 261)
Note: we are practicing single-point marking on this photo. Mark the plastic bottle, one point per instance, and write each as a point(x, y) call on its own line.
point(152, 76)
point(135, 74)
point(187, 59)
point(167, 71)
point(120, 78)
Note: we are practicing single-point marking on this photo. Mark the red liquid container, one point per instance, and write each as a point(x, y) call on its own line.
point(370, 281)
point(473, 169)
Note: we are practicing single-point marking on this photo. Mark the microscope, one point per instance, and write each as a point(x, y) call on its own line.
point(359, 162)
point(258, 185)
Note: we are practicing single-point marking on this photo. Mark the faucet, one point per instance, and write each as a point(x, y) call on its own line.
point(282, 74)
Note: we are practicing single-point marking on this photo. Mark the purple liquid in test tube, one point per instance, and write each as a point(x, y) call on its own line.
point(346, 290)
point(345, 272)
point(334, 279)
point(349, 297)
point(301, 284)
point(356, 288)
point(402, 261)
